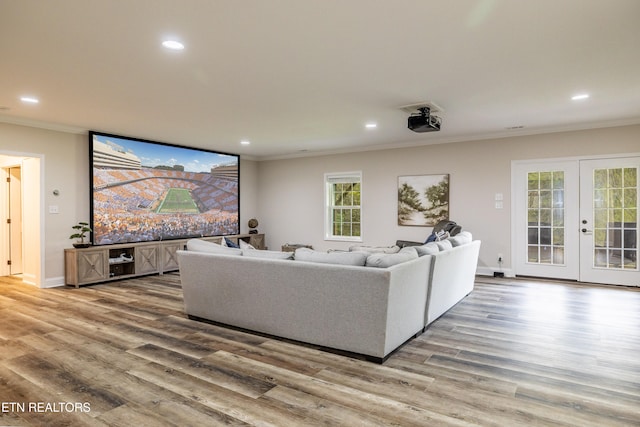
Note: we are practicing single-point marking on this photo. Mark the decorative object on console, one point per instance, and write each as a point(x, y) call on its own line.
point(122, 258)
point(82, 228)
point(423, 200)
point(253, 224)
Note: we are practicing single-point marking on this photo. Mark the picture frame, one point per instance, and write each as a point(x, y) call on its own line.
point(423, 200)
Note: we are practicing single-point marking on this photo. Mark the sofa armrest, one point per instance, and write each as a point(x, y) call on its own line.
point(452, 278)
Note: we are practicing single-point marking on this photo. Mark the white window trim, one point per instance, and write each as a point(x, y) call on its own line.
point(328, 225)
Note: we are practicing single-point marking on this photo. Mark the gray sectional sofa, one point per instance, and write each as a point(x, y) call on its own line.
point(366, 303)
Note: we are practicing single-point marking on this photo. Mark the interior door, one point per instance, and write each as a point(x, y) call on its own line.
point(545, 219)
point(609, 194)
point(15, 216)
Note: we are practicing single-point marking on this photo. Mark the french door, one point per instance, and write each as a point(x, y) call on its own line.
point(577, 220)
point(609, 221)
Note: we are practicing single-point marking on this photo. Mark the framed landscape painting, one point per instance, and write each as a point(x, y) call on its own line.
point(423, 200)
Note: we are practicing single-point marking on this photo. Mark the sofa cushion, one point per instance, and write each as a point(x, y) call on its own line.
point(255, 253)
point(382, 260)
point(430, 248)
point(444, 245)
point(199, 245)
point(375, 249)
point(343, 258)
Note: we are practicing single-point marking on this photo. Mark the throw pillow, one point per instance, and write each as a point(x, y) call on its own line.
point(382, 260)
point(244, 245)
point(199, 245)
point(229, 243)
point(342, 258)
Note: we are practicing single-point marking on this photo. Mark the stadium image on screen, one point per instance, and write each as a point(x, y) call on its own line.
point(148, 191)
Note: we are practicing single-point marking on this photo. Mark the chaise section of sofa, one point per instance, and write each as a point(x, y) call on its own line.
point(363, 310)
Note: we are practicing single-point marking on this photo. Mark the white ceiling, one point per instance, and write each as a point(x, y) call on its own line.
point(303, 76)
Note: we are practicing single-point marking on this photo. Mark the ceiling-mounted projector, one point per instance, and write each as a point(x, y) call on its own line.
point(424, 121)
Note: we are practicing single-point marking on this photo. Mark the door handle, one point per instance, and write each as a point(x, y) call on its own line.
point(585, 231)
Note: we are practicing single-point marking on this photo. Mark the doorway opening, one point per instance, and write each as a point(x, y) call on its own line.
point(20, 218)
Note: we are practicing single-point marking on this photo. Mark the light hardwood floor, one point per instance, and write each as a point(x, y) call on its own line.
point(513, 353)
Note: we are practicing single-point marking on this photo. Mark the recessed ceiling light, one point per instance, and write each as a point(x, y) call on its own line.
point(29, 99)
point(580, 96)
point(371, 125)
point(173, 44)
point(245, 142)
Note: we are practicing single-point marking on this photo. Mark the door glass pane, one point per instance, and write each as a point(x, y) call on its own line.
point(615, 218)
point(546, 217)
point(558, 255)
point(558, 217)
point(558, 236)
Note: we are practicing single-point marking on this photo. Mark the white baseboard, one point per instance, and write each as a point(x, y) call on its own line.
point(53, 282)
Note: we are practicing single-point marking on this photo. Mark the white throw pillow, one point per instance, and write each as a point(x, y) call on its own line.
point(244, 245)
point(199, 245)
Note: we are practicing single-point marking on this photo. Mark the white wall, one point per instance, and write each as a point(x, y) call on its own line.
point(291, 191)
point(287, 195)
point(32, 230)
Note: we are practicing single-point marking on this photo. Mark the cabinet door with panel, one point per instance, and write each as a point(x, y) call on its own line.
point(92, 265)
point(257, 241)
point(146, 259)
point(169, 256)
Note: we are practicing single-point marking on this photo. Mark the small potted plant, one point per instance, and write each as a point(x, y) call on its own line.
point(81, 229)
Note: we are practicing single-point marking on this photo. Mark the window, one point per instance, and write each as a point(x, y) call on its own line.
point(343, 206)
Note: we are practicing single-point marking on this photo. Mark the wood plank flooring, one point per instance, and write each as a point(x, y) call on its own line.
point(513, 353)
